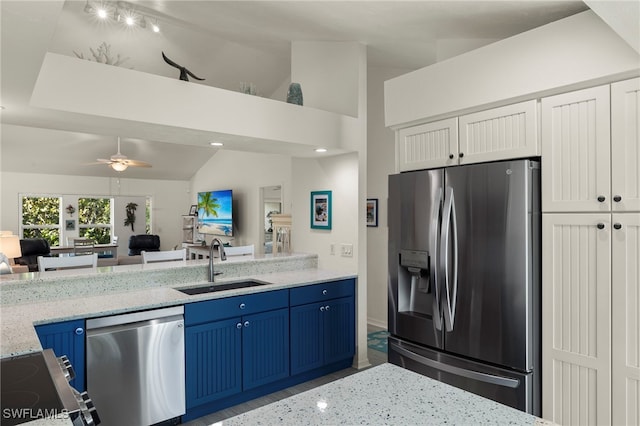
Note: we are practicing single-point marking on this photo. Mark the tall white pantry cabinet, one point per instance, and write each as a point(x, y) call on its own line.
point(590, 146)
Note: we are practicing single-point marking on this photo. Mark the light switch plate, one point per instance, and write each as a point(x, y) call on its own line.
point(346, 250)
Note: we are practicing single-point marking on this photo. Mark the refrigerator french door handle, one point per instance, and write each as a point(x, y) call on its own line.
point(448, 224)
point(435, 262)
point(462, 372)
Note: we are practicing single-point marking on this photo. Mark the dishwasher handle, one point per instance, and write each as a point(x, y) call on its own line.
point(135, 318)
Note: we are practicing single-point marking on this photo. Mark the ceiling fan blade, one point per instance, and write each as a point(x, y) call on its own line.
point(136, 163)
point(103, 161)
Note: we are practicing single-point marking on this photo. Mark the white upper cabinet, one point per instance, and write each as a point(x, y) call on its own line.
point(428, 145)
point(496, 134)
point(499, 134)
point(625, 145)
point(575, 133)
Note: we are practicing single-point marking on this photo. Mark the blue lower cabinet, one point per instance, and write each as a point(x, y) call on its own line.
point(224, 358)
point(243, 347)
point(322, 333)
point(213, 361)
point(339, 330)
point(66, 338)
point(307, 344)
point(265, 348)
point(234, 345)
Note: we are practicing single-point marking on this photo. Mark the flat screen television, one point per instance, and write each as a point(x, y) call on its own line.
point(215, 212)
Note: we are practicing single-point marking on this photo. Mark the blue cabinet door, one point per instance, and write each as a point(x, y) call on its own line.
point(66, 338)
point(306, 337)
point(339, 330)
point(322, 333)
point(265, 348)
point(213, 361)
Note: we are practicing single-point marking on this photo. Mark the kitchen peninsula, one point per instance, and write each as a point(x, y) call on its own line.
point(59, 310)
point(34, 298)
point(385, 395)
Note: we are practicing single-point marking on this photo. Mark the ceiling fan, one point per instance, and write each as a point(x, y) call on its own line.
point(120, 162)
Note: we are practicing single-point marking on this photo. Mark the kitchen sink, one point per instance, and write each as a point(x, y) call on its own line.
point(221, 287)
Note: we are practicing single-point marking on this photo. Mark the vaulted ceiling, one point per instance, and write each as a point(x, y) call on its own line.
point(226, 43)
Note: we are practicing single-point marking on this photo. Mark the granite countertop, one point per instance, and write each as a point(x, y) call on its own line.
point(66, 296)
point(385, 395)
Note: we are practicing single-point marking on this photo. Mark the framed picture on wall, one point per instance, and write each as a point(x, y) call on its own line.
point(193, 211)
point(70, 225)
point(372, 212)
point(321, 210)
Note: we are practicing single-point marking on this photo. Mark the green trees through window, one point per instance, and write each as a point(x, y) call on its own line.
point(94, 219)
point(41, 218)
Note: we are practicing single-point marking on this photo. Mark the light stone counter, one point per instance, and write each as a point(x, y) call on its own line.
point(385, 395)
point(65, 295)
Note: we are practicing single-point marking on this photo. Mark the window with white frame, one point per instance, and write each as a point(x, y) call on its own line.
point(94, 219)
point(41, 218)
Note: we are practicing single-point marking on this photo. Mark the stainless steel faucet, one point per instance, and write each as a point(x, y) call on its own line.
point(221, 254)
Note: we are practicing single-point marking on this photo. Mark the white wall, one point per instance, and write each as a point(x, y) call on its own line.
point(244, 173)
point(327, 75)
point(338, 174)
point(380, 164)
point(574, 52)
point(170, 201)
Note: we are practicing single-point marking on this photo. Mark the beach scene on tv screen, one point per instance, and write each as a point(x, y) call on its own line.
point(215, 212)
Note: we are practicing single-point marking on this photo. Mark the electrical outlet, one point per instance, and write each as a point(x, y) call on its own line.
point(332, 249)
point(346, 250)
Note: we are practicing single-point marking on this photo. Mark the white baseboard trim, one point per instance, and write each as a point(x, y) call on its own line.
point(377, 323)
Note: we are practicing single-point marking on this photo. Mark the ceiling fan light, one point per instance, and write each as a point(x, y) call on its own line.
point(119, 167)
point(102, 13)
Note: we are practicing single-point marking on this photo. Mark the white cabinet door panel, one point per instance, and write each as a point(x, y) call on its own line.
point(428, 145)
point(575, 143)
point(625, 315)
point(499, 134)
point(625, 145)
point(576, 324)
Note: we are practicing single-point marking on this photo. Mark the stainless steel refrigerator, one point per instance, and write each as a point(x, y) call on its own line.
point(464, 278)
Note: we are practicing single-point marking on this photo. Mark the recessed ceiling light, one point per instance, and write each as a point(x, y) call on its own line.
point(102, 13)
point(321, 149)
point(216, 144)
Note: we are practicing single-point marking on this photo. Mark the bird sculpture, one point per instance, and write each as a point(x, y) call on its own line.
point(183, 70)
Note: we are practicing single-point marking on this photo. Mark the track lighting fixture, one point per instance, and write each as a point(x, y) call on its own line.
point(122, 12)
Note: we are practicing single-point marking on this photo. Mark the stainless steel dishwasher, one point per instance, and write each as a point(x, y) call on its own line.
point(135, 366)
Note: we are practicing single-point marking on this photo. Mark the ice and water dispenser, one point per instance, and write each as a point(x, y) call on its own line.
point(414, 282)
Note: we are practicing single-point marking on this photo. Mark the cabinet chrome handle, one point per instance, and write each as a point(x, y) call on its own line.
point(600, 226)
point(242, 306)
point(239, 325)
point(326, 308)
point(450, 156)
point(324, 292)
point(601, 198)
point(79, 331)
point(321, 308)
point(246, 324)
point(617, 226)
point(617, 198)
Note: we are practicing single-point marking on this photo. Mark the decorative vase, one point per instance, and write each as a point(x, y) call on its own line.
point(294, 95)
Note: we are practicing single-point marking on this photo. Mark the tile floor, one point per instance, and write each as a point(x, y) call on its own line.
point(375, 358)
